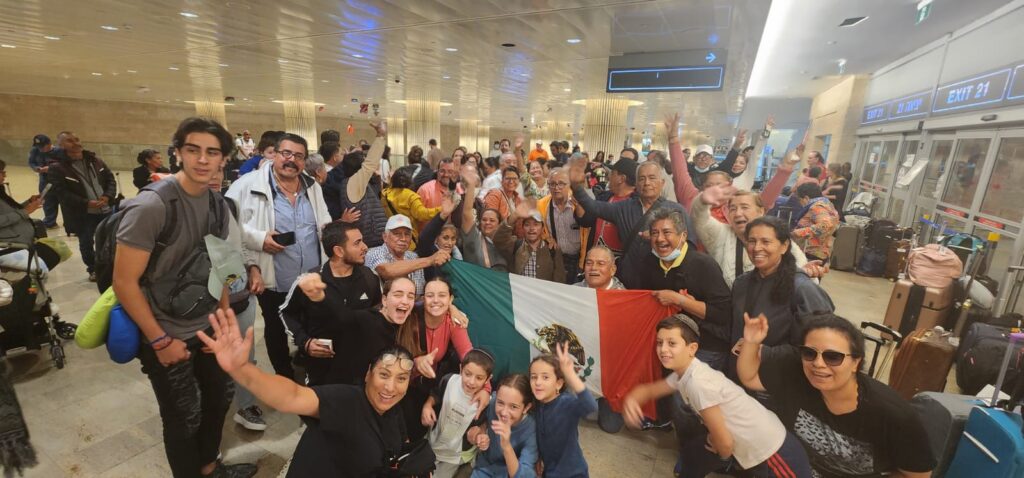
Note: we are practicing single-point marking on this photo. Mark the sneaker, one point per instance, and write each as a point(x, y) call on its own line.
point(608, 419)
point(238, 470)
point(65, 330)
point(52, 226)
point(251, 418)
point(92, 277)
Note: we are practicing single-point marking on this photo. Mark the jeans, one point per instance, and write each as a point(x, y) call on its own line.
point(246, 320)
point(274, 335)
point(572, 268)
point(50, 204)
point(85, 239)
point(194, 397)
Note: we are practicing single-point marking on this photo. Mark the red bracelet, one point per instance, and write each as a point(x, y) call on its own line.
point(169, 340)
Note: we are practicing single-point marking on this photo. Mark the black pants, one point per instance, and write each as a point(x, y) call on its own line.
point(194, 397)
point(274, 335)
point(50, 204)
point(86, 231)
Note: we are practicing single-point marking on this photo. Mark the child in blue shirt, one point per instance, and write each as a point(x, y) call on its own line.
point(558, 413)
point(509, 448)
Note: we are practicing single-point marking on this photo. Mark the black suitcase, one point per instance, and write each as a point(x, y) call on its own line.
point(846, 248)
point(943, 416)
point(981, 354)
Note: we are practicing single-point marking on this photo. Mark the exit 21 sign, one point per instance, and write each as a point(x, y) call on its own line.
point(980, 90)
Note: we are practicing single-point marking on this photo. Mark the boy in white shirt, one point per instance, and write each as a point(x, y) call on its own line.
point(741, 433)
point(453, 415)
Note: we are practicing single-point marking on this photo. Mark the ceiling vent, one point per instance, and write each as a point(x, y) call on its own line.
point(849, 22)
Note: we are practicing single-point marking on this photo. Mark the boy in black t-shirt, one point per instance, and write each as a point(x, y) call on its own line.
point(348, 285)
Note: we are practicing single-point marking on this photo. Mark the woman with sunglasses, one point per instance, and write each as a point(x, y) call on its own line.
point(849, 423)
point(351, 430)
point(775, 287)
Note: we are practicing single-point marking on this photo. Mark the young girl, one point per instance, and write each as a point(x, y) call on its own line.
point(558, 413)
point(740, 430)
point(509, 447)
point(451, 407)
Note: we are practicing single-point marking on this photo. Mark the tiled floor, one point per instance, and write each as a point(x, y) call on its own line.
point(97, 418)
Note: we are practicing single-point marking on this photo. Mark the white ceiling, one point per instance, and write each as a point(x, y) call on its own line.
point(264, 50)
point(797, 59)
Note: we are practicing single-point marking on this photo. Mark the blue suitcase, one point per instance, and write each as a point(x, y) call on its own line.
point(992, 445)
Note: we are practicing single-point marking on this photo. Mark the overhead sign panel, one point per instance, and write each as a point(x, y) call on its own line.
point(911, 106)
point(681, 78)
point(1016, 84)
point(980, 90)
point(875, 113)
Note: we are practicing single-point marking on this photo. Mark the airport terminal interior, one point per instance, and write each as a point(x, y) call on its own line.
point(883, 139)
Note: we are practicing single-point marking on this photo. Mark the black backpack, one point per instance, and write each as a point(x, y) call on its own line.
point(183, 294)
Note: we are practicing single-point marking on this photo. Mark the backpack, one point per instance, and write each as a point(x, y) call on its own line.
point(182, 294)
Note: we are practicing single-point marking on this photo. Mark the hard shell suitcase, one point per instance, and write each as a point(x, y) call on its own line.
point(943, 416)
point(913, 307)
point(896, 259)
point(846, 248)
point(922, 363)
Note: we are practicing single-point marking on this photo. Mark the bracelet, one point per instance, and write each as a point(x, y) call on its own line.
point(154, 341)
point(168, 344)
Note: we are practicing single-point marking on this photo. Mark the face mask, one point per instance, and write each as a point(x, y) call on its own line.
point(702, 170)
point(672, 256)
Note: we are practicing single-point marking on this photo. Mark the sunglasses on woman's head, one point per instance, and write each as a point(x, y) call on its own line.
point(832, 358)
point(390, 359)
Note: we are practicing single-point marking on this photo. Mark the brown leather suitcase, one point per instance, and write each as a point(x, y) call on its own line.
point(922, 363)
point(913, 307)
point(896, 259)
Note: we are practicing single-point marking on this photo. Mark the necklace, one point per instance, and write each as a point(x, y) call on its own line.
point(280, 184)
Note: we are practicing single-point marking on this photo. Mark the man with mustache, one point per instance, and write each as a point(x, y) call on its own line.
point(393, 259)
point(282, 212)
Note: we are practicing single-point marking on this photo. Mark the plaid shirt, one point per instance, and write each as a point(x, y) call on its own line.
point(816, 228)
point(530, 270)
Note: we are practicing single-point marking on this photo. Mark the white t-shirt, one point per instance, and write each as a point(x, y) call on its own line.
point(756, 432)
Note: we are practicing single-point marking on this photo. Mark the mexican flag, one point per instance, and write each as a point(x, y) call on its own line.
point(611, 332)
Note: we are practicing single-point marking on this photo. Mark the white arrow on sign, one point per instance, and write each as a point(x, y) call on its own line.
point(711, 57)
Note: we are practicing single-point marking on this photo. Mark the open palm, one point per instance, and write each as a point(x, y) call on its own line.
point(228, 344)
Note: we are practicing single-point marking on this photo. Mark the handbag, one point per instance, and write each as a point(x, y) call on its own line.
point(415, 459)
point(92, 331)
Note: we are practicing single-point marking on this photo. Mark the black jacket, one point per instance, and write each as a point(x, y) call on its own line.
point(69, 186)
point(142, 176)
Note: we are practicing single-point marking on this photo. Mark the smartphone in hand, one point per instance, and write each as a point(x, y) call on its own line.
point(285, 238)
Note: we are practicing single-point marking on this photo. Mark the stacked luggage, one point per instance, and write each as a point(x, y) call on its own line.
point(884, 239)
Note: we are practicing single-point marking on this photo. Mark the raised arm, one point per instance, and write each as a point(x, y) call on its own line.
point(356, 187)
point(734, 152)
point(710, 230)
point(755, 330)
point(681, 180)
point(746, 180)
point(470, 180)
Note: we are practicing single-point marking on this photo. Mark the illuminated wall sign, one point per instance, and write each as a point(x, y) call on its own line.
point(980, 90)
point(875, 114)
point(910, 106)
point(1016, 84)
point(990, 223)
point(683, 78)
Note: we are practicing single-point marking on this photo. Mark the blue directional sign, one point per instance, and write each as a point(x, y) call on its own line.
point(972, 92)
point(875, 113)
point(681, 78)
point(711, 57)
point(911, 106)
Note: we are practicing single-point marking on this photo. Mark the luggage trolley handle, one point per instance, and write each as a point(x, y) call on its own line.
point(880, 342)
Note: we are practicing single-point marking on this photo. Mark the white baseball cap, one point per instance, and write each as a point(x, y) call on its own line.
point(704, 148)
point(398, 221)
point(535, 215)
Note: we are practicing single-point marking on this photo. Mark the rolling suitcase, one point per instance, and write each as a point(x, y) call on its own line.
point(922, 363)
point(896, 259)
point(943, 416)
point(992, 443)
point(978, 359)
point(913, 307)
point(846, 248)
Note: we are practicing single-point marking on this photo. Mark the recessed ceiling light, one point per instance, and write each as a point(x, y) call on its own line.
point(356, 55)
point(567, 90)
point(225, 65)
point(132, 71)
point(97, 74)
point(325, 81)
point(51, 37)
point(282, 60)
point(508, 45)
point(524, 74)
point(574, 40)
point(4, 45)
point(173, 68)
point(109, 28)
point(189, 15)
point(849, 22)
point(380, 79)
point(451, 49)
point(446, 77)
point(830, 42)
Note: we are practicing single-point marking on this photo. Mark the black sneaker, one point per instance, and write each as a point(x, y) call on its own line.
point(251, 418)
point(238, 470)
point(92, 277)
point(65, 330)
point(608, 419)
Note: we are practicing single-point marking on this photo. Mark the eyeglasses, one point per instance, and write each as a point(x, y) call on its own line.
point(832, 358)
point(291, 154)
point(557, 185)
point(391, 359)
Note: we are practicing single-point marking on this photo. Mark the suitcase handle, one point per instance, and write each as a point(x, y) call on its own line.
point(879, 342)
point(896, 336)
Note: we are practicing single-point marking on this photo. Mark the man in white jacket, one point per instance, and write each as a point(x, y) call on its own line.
point(282, 213)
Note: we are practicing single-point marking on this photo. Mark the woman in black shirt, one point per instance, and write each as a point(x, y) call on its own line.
point(150, 162)
point(850, 424)
point(352, 431)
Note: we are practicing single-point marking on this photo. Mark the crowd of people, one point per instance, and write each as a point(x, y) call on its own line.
point(343, 257)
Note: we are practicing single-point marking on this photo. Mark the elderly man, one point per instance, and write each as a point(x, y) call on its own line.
point(435, 190)
point(529, 255)
point(628, 216)
point(599, 270)
point(393, 259)
point(85, 188)
point(621, 186)
point(558, 212)
point(538, 152)
point(282, 213)
point(245, 144)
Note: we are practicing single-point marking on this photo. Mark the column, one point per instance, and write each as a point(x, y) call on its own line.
point(483, 140)
point(396, 139)
point(469, 134)
point(605, 126)
point(213, 110)
point(422, 122)
point(300, 119)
